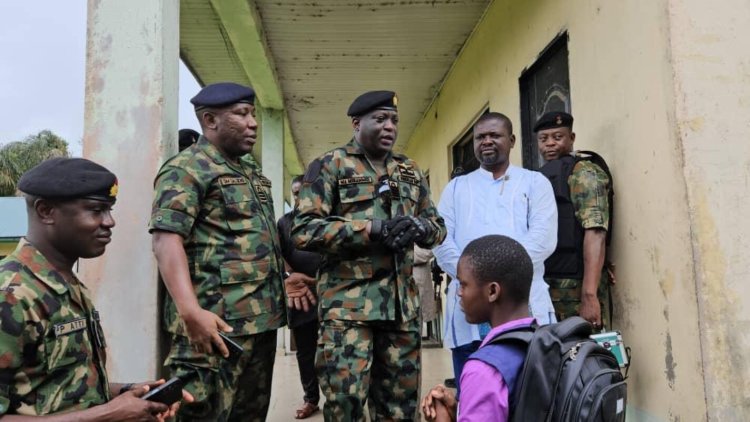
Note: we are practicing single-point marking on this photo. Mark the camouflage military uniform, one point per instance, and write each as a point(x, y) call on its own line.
point(52, 354)
point(368, 347)
point(589, 188)
point(225, 213)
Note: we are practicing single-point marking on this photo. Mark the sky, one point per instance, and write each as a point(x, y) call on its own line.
point(42, 72)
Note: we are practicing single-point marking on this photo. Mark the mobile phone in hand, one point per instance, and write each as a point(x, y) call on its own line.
point(167, 393)
point(235, 350)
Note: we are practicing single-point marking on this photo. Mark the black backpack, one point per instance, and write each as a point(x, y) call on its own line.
point(566, 376)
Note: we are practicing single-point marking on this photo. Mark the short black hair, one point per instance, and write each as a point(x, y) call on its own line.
point(296, 179)
point(493, 115)
point(186, 137)
point(501, 259)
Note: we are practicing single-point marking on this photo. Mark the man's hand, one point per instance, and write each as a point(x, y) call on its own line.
point(401, 232)
point(590, 310)
point(203, 331)
point(439, 404)
point(172, 410)
point(298, 293)
point(129, 406)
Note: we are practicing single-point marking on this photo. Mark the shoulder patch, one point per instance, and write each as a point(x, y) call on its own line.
point(313, 170)
point(407, 171)
point(408, 179)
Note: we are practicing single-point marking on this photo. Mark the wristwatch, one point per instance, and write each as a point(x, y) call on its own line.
point(286, 274)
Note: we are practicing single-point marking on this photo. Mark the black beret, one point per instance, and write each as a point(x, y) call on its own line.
point(373, 100)
point(554, 119)
point(69, 178)
point(223, 94)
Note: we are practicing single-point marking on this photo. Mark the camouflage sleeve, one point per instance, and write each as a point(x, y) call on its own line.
point(589, 189)
point(428, 210)
point(177, 198)
point(315, 228)
point(18, 326)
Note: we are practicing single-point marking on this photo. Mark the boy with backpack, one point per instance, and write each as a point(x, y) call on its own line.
point(522, 372)
point(495, 275)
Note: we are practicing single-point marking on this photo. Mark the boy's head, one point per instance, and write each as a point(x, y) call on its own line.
point(493, 271)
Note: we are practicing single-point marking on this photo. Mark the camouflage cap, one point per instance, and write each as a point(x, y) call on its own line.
point(70, 178)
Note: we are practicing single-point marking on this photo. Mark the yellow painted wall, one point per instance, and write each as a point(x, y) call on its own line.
point(7, 246)
point(711, 54)
point(623, 100)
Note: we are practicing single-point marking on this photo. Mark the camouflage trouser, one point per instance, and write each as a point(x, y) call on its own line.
point(224, 391)
point(566, 297)
point(373, 361)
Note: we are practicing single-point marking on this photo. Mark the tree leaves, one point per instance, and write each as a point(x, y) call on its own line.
point(18, 157)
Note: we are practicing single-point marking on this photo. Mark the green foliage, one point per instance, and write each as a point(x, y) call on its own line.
point(18, 157)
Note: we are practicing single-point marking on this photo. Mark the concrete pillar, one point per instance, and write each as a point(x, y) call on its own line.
point(132, 57)
point(271, 123)
point(271, 155)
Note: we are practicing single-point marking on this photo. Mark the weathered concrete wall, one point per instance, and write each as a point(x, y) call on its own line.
point(130, 127)
point(623, 99)
point(710, 47)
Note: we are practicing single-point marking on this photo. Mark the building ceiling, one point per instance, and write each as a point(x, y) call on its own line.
point(323, 53)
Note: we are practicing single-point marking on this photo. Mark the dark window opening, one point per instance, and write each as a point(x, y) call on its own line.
point(464, 160)
point(545, 86)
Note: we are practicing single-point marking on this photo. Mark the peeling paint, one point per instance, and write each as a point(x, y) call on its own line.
point(669, 361)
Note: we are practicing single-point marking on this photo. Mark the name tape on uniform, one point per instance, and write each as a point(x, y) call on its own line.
point(70, 327)
point(226, 181)
point(355, 180)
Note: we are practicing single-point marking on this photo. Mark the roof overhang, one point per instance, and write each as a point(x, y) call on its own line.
point(312, 58)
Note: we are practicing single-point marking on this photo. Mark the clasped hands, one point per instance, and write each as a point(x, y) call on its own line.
point(439, 405)
point(401, 232)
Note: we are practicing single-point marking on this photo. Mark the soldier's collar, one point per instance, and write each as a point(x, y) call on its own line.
point(210, 150)
point(38, 264)
point(354, 148)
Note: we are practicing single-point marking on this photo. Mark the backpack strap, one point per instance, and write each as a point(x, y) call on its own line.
point(506, 353)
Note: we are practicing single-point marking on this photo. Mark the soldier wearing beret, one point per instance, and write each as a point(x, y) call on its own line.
point(52, 348)
point(363, 207)
point(216, 244)
point(576, 272)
